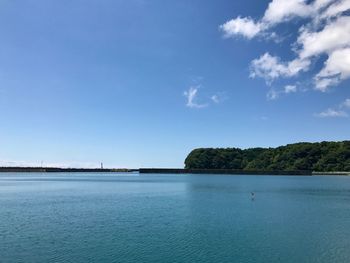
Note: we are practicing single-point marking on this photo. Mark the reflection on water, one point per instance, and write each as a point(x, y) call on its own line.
point(173, 218)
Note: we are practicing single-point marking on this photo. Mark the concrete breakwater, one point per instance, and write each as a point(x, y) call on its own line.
point(63, 170)
point(220, 171)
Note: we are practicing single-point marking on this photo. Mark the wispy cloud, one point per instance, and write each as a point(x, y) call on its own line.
point(215, 98)
point(290, 89)
point(346, 104)
point(219, 97)
point(332, 113)
point(274, 94)
point(325, 32)
point(191, 94)
point(339, 111)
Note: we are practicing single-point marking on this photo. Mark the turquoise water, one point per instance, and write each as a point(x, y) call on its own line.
point(173, 218)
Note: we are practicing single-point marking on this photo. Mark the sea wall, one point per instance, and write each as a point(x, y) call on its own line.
point(61, 170)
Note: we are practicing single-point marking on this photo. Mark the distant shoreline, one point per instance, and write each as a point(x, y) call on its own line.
point(221, 171)
point(319, 156)
point(165, 171)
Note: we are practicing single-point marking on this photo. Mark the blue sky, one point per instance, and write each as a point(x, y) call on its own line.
point(141, 83)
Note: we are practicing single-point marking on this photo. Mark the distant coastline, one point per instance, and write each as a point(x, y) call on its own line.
point(323, 157)
point(305, 159)
point(164, 171)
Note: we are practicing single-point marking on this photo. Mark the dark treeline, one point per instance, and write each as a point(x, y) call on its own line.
point(322, 157)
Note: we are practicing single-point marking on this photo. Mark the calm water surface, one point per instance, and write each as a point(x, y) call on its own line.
point(173, 218)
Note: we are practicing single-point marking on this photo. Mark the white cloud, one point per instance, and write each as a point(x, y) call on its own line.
point(283, 10)
point(267, 67)
point(332, 113)
point(271, 67)
point(335, 35)
point(191, 96)
point(290, 89)
point(336, 69)
point(325, 33)
point(319, 4)
point(336, 8)
point(279, 11)
point(241, 26)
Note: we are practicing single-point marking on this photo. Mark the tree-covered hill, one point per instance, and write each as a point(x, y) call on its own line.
point(322, 157)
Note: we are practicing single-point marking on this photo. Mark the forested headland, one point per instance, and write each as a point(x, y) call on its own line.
point(319, 157)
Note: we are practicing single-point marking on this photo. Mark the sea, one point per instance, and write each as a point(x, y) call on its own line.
point(106, 217)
